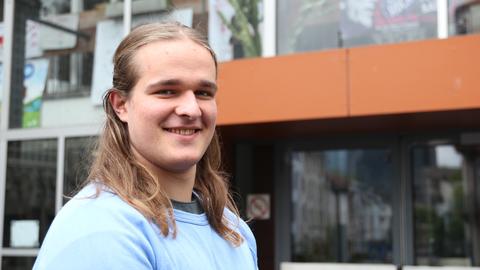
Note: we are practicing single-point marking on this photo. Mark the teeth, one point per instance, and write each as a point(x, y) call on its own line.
point(182, 131)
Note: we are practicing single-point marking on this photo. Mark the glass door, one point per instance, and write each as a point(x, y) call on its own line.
point(342, 206)
point(445, 203)
point(414, 200)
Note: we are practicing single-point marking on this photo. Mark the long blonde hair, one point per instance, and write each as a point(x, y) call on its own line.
point(115, 166)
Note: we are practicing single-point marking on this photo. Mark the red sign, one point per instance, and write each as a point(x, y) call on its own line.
point(258, 206)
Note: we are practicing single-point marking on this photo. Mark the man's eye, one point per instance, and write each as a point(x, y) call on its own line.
point(166, 92)
point(204, 93)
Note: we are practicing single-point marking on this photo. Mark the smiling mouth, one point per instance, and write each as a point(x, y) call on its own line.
point(182, 131)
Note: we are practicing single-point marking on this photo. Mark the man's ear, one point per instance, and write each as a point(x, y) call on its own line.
point(119, 105)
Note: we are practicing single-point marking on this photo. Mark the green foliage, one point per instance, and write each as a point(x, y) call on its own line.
point(244, 25)
point(444, 233)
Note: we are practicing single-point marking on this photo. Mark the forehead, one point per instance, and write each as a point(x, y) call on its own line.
point(164, 55)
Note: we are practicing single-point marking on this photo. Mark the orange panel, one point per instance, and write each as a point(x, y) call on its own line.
point(420, 76)
point(294, 87)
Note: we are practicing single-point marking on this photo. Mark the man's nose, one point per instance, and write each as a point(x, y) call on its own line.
point(188, 106)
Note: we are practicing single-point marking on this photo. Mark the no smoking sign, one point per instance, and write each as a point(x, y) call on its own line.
point(258, 206)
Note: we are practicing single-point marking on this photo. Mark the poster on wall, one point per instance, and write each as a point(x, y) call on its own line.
point(234, 30)
point(34, 83)
point(35, 77)
point(108, 36)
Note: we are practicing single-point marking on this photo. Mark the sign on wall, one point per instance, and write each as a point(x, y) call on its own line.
point(35, 77)
point(258, 206)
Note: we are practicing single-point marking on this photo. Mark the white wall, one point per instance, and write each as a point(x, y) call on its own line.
point(70, 112)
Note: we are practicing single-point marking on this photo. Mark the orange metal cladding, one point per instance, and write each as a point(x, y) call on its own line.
point(300, 86)
point(429, 75)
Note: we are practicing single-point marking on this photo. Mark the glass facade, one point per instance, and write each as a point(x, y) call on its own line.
point(317, 25)
point(443, 229)
point(307, 25)
point(54, 47)
point(17, 263)
point(465, 16)
point(78, 157)
point(29, 192)
point(235, 28)
point(346, 205)
point(342, 206)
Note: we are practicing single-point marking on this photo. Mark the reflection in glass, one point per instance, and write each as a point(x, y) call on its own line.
point(442, 232)
point(53, 62)
point(316, 25)
point(235, 28)
point(307, 25)
point(78, 154)
point(30, 190)
point(17, 263)
point(464, 16)
point(342, 207)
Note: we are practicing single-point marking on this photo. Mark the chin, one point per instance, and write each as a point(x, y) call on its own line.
point(183, 165)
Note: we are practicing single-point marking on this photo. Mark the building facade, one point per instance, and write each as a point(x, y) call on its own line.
point(350, 128)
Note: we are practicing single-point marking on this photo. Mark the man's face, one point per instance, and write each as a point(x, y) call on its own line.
point(171, 111)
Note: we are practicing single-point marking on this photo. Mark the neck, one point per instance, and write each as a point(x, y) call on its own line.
point(178, 186)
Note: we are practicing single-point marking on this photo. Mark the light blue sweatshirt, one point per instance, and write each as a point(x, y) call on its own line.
point(107, 233)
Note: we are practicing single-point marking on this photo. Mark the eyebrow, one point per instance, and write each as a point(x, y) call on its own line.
point(176, 82)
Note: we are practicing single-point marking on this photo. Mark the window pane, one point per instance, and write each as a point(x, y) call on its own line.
point(30, 192)
point(235, 28)
point(18, 263)
point(342, 206)
point(464, 17)
point(442, 232)
point(52, 64)
point(307, 25)
point(385, 21)
point(316, 25)
point(78, 154)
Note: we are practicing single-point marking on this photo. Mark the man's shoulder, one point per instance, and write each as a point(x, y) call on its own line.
point(241, 226)
point(97, 203)
point(89, 213)
point(89, 222)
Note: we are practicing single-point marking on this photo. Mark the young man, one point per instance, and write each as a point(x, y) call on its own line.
point(156, 198)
